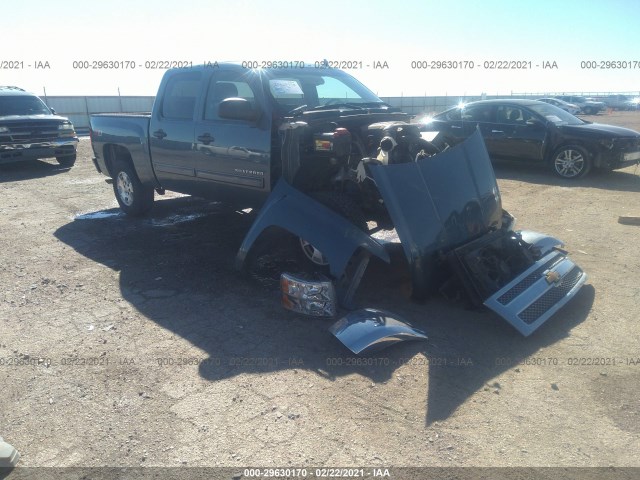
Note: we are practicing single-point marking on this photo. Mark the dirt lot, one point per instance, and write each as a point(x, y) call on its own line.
point(135, 342)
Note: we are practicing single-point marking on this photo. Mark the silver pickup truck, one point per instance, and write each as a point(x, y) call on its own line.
point(328, 162)
point(29, 130)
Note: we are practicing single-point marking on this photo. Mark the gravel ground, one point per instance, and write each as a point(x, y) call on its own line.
point(133, 342)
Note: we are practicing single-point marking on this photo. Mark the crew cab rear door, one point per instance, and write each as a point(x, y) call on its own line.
point(232, 155)
point(171, 130)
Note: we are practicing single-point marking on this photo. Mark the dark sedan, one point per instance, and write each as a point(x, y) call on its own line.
point(534, 131)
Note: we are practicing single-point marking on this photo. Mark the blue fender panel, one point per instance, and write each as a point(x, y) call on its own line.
point(335, 236)
point(369, 330)
point(544, 242)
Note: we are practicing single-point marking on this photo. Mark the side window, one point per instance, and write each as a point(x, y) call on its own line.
point(453, 115)
point(180, 95)
point(477, 113)
point(227, 85)
point(506, 114)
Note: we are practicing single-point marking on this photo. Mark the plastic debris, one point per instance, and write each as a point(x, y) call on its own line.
point(8, 455)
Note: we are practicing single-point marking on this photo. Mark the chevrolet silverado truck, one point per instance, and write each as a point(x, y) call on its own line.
point(30, 130)
point(328, 162)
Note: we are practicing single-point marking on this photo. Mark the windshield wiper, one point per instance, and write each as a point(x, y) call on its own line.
point(330, 106)
point(376, 104)
point(301, 108)
point(355, 106)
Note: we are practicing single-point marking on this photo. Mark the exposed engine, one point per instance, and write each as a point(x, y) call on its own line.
point(333, 154)
point(398, 142)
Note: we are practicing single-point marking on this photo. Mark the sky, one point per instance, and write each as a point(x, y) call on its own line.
point(587, 45)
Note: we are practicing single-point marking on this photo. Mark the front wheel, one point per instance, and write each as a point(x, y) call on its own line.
point(570, 162)
point(134, 198)
point(67, 160)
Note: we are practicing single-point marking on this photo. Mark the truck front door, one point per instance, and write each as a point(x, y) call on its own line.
point(233, 156)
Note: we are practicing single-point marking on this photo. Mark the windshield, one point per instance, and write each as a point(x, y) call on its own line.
point(555, 115)
point(22, 105)
point(316, 88)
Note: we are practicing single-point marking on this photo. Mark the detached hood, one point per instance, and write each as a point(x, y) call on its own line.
point(439, 203)
point(601, 129)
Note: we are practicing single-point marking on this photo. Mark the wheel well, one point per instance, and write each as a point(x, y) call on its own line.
point(115, 153)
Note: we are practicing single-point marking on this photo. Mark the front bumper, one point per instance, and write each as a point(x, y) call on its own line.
point(17, 152)
point(619, 158)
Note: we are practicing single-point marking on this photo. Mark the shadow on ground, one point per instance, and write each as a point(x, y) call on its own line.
point(177, 268)
point(26, 170)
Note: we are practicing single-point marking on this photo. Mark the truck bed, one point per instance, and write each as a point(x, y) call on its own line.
point(124, 133)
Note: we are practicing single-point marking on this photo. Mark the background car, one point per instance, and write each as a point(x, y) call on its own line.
point(619, 102)
point(632, 104)
point(588, 106)
point(537, 132)
point(30, 130)
point(566, 106)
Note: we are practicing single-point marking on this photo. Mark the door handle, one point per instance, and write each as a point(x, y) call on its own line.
point(455, 126)
point(205, 138)
point(497, 131)
point(159, 134)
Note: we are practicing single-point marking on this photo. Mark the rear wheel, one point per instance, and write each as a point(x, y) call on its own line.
point(67, 160)
point(134, 198)
point(570, 162)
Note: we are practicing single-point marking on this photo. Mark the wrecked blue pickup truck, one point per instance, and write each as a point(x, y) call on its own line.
point(328, 162)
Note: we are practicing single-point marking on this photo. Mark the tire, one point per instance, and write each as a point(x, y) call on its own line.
point(134, 198)
point(341, 204)
point(570, 162)
point(67, 160)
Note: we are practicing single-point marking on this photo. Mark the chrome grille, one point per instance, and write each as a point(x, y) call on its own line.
point(525, 283)
point(551, 297)
point(31, 132)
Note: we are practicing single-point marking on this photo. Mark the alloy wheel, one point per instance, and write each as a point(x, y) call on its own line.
point(125, 188)
point(569, 163)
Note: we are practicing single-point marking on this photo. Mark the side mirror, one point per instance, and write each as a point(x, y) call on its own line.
point(237, 109)
point(52, 110)
point(534, 122)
